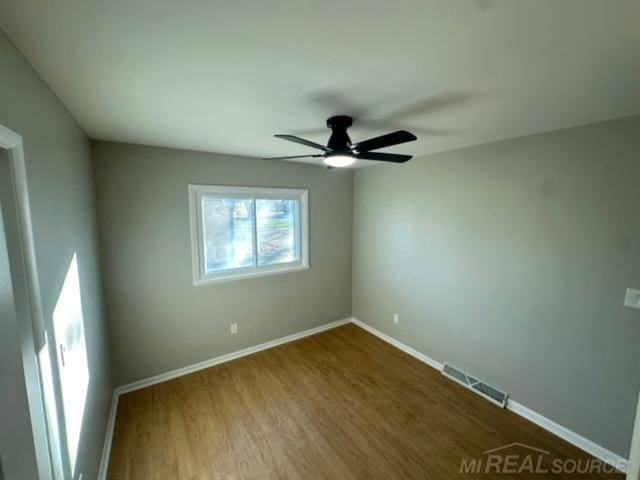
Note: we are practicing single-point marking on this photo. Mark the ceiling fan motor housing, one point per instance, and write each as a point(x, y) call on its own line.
point(340, 152)
point(339, 140)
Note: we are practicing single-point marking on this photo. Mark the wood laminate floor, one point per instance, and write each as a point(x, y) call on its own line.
point(338, 405)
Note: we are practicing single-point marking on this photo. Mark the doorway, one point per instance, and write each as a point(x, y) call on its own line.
point(17, 448)
point(633, 471)
point(28, 439)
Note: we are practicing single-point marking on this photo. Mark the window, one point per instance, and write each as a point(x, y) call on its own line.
point(241, 232)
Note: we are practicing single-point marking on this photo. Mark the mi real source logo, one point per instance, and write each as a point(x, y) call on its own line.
point(516, 458)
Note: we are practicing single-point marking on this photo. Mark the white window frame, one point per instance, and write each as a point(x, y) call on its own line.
point(197, 234)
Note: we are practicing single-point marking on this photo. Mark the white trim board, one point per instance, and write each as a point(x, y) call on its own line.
point(399, 345)
point(163, 377)
point(549, 425)
point(633, 467)
point(568, 435)
point(108, 437)
point(516, 407)
point(49, 460)
point(179, 372)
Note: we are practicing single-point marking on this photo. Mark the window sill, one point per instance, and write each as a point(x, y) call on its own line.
point(255, 274)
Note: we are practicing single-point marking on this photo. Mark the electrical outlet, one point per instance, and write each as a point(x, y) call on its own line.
point(234, 328)
point(396, 318)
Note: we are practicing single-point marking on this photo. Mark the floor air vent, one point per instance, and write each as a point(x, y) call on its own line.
point(477, 386)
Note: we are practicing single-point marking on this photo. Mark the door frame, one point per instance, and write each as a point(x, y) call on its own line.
point(31, 319)
point(633, 466)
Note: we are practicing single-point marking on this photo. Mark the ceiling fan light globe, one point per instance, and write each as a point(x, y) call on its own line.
point(339, 160)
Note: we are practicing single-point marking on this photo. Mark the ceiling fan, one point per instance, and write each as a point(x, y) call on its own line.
point(340, 152)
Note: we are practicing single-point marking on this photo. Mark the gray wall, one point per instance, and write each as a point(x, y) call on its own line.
point(510, 260)
point(61, 196)
point(159, 320)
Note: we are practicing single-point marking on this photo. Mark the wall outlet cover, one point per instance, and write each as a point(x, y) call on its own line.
point(632, 298)
point(234, 328)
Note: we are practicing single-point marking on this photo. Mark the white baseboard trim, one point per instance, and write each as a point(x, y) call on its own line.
point(108, 438)
point(516, 407)
point(568, 435)
point(163, 377)
point(179, 372)
point(399, 345)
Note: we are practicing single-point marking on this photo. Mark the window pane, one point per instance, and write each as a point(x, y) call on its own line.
point(277, 230)
point(228, 233)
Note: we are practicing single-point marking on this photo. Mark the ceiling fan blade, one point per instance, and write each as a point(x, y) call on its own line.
point(292, 156)
point(302, 141)
point(395, 138)
point(384, 157)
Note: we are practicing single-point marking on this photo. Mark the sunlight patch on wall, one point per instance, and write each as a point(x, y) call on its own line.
point(48, 393)
point(68, 324)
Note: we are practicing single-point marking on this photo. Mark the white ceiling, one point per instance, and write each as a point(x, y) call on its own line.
point(224, 76)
